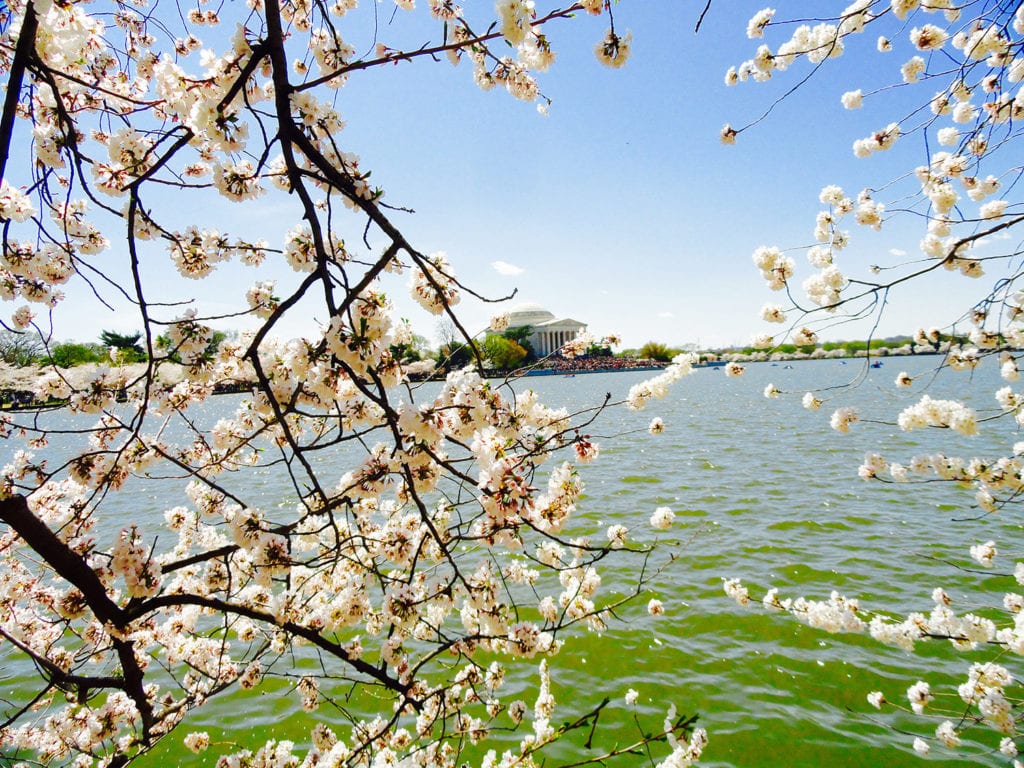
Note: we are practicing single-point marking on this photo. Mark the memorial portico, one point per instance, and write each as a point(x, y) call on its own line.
point(549, 333)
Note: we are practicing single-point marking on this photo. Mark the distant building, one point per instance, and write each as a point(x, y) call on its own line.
point(549, 333)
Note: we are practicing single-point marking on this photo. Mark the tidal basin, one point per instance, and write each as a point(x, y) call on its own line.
point(763, 490)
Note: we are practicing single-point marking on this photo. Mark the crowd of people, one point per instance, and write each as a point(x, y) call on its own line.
point(588, 364)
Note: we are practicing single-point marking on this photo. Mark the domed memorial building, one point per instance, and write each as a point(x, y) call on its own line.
point(549, 332)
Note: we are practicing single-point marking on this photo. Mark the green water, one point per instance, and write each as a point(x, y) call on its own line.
point(763, 490)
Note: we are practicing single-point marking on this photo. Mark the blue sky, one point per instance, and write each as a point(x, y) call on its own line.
point(621, 208)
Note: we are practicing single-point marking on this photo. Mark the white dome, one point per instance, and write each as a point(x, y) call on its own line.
point(528, 314)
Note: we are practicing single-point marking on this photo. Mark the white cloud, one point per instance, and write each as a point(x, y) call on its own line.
point(989, 239)
point(897, 252)
point(665, 315)
point(504, 268)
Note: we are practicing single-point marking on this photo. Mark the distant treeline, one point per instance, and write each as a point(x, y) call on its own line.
point(654, 350)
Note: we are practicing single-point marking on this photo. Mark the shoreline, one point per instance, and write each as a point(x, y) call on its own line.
point(18, 385)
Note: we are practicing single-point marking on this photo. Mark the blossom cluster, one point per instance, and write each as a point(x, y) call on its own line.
point(957, 193)
point(429, 540)
point(959, 72)
point(985, 691)
point(657, 387)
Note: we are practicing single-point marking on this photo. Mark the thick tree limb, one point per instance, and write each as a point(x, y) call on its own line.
point(22, 53)
point(68, 564)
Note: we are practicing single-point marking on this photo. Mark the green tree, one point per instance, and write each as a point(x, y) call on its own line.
point(455, 354)
point(121, 340)
point(655, 350)
point(125, 347)
point(19, 348)
point(165, 344)
point(521, 335)
point(70, 353)
point(502, 352)
point(413, 351)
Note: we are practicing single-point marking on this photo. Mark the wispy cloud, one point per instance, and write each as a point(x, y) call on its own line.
point(989, 239)
point(897, 252)
point(665, 315)
point(504, 268)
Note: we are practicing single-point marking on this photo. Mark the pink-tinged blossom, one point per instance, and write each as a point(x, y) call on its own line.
point(1008, 369)
point(868, 212)
point(197, 741)
point(964, 112)
point(772, 602)
point(735, 589)
point(805, 337)
point(758, 22)
point(1008, 399)
point(946, 733)
point(985, 553)
point(432, 284)
point(517, 711)
point(734, 369)
point(773, 313)
point(776, 268)
point(586, 451)
point(614, 49)
point(878, 141)
point(825, 287)
point(515, 17)
point(810, 402)
point(261, 299)
point(901, 8)
point(831, 195)
point(617, 536)
point(874, 465)
point(928, 37)
point(939, 413)
point(657, 387)
point(837, 614)
point(993, 209)
point(919, 695)
point(238, 182)
point(662, 519)
point(913, 69)
point(22, 317)
point(842, 418)
point(683, 754)
point(14, 204)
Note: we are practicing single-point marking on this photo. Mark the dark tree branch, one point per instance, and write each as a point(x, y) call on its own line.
point(22, 54)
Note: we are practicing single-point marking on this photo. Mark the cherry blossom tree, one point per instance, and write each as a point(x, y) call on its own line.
point(428, 542)
point(952, 88)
